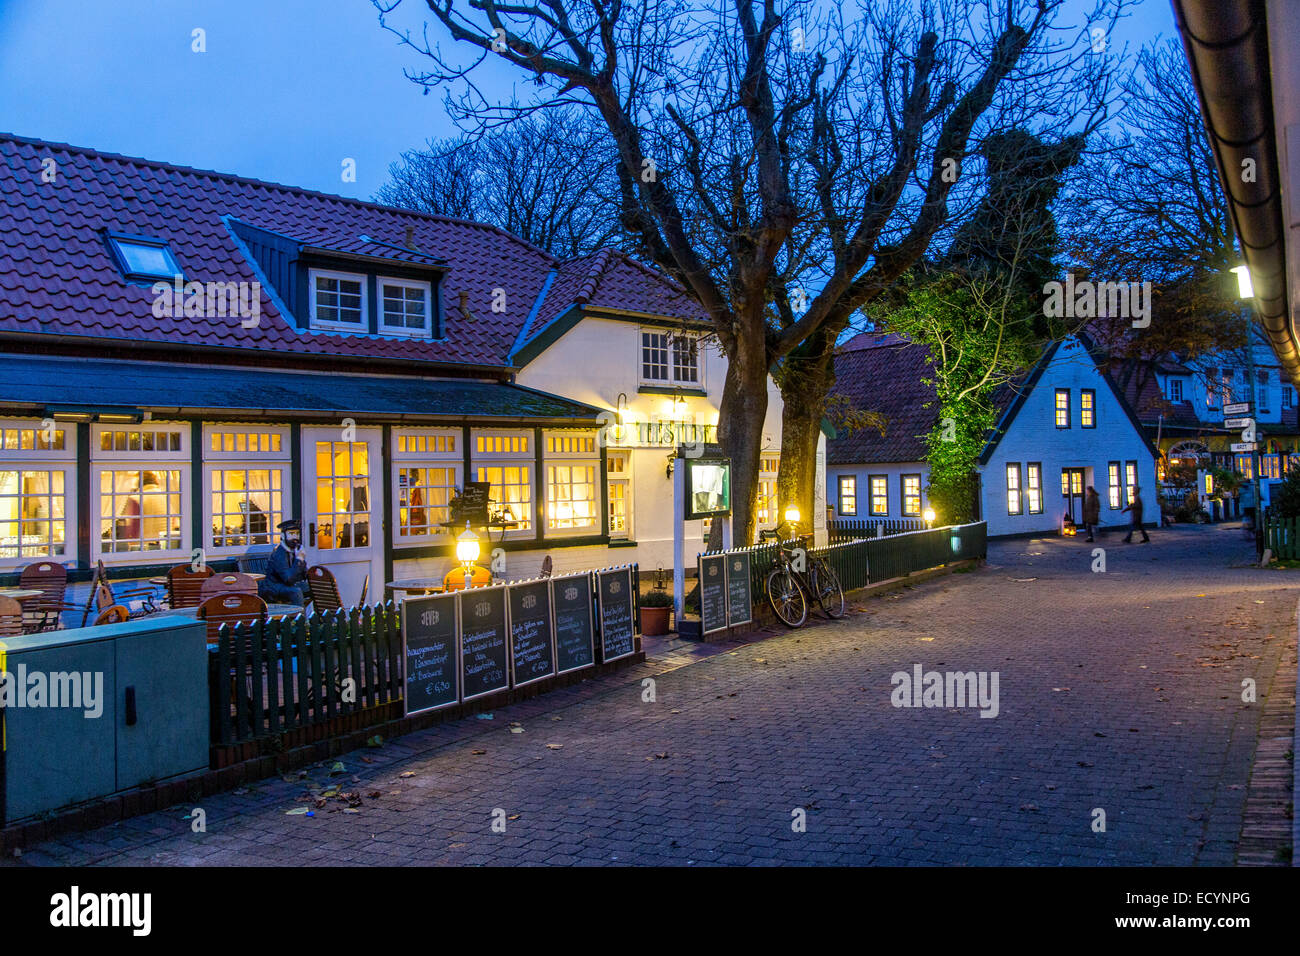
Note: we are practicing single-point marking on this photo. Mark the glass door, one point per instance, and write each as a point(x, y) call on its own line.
point(343, 525)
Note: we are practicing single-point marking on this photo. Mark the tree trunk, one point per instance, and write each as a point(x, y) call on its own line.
point(806, 381)
point(740, 433)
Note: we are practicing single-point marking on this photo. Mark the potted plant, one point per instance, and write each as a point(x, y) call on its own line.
point(656, 605)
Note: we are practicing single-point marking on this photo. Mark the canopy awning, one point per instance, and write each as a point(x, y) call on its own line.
point(62, 385)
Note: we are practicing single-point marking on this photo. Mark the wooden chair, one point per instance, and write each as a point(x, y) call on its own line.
point(11, 617)
point(230, 609)
point(113, 614)
point(42, 612)
point(252, 563)
point(184, 584)
point(232, 582)
point(454, 580)
point(122, 596)
point(324, 589)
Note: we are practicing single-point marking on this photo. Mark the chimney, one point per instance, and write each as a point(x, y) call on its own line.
point(464, 303)
point(410, 237)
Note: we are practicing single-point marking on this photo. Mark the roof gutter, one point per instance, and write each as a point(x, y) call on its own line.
point(1227, 49)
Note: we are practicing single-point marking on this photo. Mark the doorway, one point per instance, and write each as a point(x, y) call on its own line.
point(1072, 480)
point(343, 527)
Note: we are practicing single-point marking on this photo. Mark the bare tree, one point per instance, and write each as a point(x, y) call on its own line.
point(548, 178)
point(786, 165)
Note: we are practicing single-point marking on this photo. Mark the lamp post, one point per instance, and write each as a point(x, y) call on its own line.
point(792, 519)
point(1246, 290)
point(928, 515)
point(467, 551)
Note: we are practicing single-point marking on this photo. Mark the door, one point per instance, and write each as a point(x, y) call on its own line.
point(1072, 491)
point(343, 520)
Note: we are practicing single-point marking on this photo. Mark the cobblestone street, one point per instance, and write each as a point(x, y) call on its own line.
point(1118, 691)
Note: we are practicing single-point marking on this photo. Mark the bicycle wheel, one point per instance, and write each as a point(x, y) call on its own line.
point(786, 597)
point(826, 588)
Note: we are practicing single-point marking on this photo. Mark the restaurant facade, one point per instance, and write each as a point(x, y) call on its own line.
point(187, 358)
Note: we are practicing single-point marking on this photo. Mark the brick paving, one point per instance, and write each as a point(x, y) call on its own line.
point(1119, 691)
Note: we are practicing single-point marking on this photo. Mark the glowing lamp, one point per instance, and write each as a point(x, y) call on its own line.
point(928, 515)
point(467, 551)
point(1245, 288)
point(792, 514)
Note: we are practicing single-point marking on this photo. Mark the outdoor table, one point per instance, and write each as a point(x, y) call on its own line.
point(162, 581)
point(416, 585)
point(19, 594)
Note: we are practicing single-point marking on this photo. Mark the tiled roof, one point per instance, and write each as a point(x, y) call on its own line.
point(57, 276)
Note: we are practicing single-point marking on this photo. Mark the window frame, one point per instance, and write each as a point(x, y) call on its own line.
point(98, 468)
point(115, 243)
point(1130, 471)
point(571, 458)
point(452, 457)
point(213, 460)
point(328, 325)
point(852, 493)
point(1033, 468)
point(903, 496)
point(402, 331)
point(525, 458)
point(1013, 468)
point(671, 347)
point(49, 460)
point(1087, 408)
point(622, 477)
point(1115, 485)
point(180, 456)
point(871, 496)
point(1058, 409)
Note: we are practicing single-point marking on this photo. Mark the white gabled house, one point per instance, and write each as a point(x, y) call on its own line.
point(1061, 428)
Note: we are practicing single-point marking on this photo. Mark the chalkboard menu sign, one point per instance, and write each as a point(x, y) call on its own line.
point(471, 504)
point(484, 657)
point(713, 592)
point(740, 599)
point(617, 629)
point(532, 655)
point(574, 627)
point(429, 653)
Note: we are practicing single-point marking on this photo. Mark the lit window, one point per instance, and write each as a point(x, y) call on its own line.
point(426, 444)
point(911, 486)
point(1014, 506)
point(767, 512)
point(1034, 487)
point(1175, 389)
point(570, 496)
point(848, 495)
point(619, 489)
point(1114, 485)
point(1062, 408)
point(249, 442)
point(501, 444)
point(405, 307)
point(511, 487)
point(1087, 408)
point(141, 510)
point(879, 495)
point(1130, 480)
point(33, 522)
point(32, 438)
point(247, 504)
point(571, 444)
point(140, 439)
point(423, 495)
point(338, 300)
point(142, 258)
point(342, 495)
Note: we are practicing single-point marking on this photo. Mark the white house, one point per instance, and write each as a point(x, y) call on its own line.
point(1062, 428)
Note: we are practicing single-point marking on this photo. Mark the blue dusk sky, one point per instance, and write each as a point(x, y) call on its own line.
point(286, 90)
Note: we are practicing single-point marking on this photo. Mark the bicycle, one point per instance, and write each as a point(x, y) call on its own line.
point(789, 590)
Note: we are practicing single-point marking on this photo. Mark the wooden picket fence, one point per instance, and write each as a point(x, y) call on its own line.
point(271, 677)
point(1282, 535)
point(857, 529)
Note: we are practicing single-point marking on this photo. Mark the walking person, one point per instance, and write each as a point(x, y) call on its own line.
point(1134, 508)
point(1091, 512)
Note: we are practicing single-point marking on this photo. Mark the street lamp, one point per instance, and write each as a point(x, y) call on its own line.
point(467, 551)
point(928, 515)
point(1245, 288)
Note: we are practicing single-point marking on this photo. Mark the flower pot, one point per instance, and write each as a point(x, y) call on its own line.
point(654, 621)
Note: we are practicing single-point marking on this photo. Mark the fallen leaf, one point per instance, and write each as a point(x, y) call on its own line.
point(554, 746)
point(478, 753)
point(296, 811)
point(407, 773)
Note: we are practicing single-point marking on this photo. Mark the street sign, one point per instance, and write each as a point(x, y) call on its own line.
point(1245, 446)
point(1240, 408)
point(1238, 422)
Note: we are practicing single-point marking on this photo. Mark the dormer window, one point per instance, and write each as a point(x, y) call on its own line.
point(405, 307)
point(143, 258)
point(338, 301)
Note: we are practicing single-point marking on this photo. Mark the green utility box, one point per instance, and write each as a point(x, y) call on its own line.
point(98, 710)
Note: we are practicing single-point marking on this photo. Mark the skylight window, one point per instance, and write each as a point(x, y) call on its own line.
point(140, 257)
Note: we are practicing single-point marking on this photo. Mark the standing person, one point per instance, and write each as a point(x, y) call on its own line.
point(286, 570)
point(1134, 507)
point(1091, 512)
